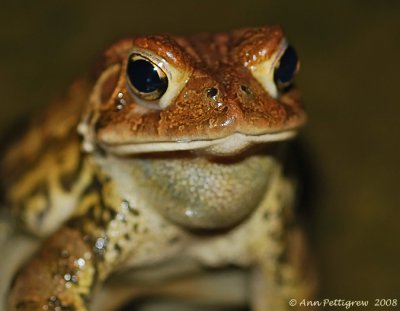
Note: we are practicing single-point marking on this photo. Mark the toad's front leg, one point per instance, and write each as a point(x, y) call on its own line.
point(75, 260)
point(71, 265)
point(60, 276)
point(279, 278)
point(283, 270)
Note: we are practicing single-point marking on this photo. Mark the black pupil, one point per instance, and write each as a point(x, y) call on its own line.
point(287, 66)
point(144, 77)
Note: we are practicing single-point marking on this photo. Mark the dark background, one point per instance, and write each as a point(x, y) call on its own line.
point(350, 54)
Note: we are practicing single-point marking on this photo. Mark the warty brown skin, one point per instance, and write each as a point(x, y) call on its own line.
point(213, 61)
point(99, 212)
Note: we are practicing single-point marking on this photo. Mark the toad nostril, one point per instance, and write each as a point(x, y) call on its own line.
point(212, 92)
point(245, 89)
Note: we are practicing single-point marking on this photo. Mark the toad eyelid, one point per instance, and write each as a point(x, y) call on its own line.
point(153, 58)
point(278, 54)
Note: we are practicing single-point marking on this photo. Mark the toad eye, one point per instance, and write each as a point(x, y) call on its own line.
point(276, 73)
point(146, 79)
point(286, 68)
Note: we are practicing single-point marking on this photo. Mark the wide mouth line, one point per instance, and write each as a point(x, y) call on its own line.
point(230, 143)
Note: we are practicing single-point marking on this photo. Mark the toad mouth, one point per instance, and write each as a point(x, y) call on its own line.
point(225, 146)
